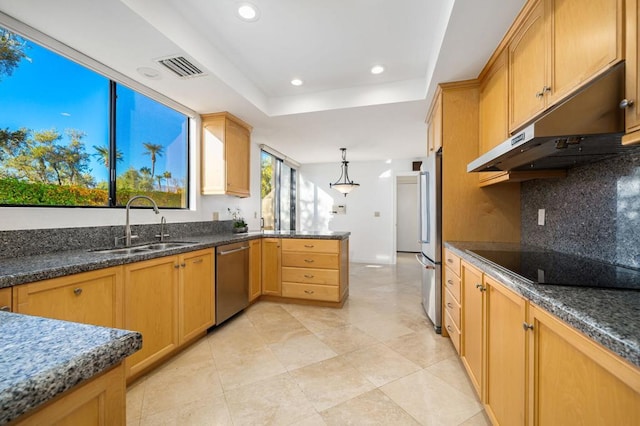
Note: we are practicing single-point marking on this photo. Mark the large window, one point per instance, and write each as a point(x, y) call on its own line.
point(72, 137)
point(278, 193)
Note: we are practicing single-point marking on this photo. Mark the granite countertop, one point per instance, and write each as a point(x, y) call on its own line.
point(41, 358)
point(25, 269)
point(609, 317)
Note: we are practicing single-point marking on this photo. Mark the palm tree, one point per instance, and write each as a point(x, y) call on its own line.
point(166, 176)
point(102, 152)
point(154, 150)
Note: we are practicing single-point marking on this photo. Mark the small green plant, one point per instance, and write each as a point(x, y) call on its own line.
point(238, 220)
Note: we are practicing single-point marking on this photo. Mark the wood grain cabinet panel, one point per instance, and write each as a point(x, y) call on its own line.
point(271, 266)
point(196, 293)
point(472, 332)
point(90, 297)
point(6, 302)
point(255, 267)
point(632, 80)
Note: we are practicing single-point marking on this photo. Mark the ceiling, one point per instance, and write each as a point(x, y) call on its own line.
point(329, 44)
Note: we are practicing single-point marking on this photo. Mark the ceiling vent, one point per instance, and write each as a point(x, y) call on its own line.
point(181, 66)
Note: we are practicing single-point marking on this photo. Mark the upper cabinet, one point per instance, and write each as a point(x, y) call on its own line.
point(226, 150)
point(632, 83)
point(434, 125)
point(557, 46)
point(493, 111)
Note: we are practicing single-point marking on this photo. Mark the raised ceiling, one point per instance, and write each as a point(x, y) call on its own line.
point(330, 44)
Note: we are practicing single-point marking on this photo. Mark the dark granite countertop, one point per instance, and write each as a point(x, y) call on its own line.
point(41, 358)
point(609, 317)
point(25, 269)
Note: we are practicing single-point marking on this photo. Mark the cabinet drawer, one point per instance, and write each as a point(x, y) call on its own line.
point(310, 246)
point(452, 307)
point(311, 260)
point(311, 291)
point(452, 283)
point(454, 333)
point(310, 276)
point(452, 261)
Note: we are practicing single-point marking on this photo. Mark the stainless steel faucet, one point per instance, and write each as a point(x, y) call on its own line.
point(127, 226)
point(162, 235)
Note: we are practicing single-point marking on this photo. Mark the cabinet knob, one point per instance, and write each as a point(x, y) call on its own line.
point(309, 260)
point(309, 291)
point(480, 287)
point(626, 103)
point(546, 89)
point(539, 94)
point(450, 260)
point(5, 308)
point(309, 245)
point(176, 266)
point(183, 265)
point(527, 326)
point(449, 305)
point(308, 276)
point(77, 291)
point(450, 282)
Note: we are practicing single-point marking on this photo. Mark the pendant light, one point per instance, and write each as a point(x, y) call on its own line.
point(344, 184)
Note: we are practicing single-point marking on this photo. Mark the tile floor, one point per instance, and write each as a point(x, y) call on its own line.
point(377, 361)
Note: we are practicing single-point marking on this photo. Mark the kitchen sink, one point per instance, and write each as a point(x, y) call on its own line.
point(144, 248)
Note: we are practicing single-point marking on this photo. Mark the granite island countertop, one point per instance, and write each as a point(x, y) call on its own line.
point(41, 358)
point(609, 317)
point(26, 269)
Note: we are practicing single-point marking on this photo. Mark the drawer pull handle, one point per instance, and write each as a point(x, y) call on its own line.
point(308, 276)
point(309, 260)
point(5, 308)
point(309, 245)
point(449, 328)
point(480, 287)
point(176, 266)
point(450, 260)
point(77, 291)
point(309, 291)
point(183, 265)
point(198, 261)
point(450, 282)
point(527, 326)
point(449, 305)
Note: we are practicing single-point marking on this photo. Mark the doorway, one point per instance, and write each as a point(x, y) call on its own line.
point(407, 225)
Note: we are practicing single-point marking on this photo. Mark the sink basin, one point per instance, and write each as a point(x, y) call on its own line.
point(144, 248)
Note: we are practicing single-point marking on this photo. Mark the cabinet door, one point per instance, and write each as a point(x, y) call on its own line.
point(5, 299)
point(632, 82)
point(528, 68)
point(435, 126)
point(472, 344)
point(585, 42)
point(90, 297)
point(151, 308)
point(255, 267)
point(271, 267)
point(493, 108)
point(196, 306)
point(237, 158)
point(505, 354)
point(576, 381)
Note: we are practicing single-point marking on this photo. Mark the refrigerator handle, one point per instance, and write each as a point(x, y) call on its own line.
point(426, 266)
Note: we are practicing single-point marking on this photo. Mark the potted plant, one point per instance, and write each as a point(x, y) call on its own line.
point(239, 225)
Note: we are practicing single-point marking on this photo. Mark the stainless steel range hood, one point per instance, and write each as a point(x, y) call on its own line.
point(585, 128)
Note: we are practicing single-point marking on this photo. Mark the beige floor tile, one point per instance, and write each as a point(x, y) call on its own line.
point(274, 401)
point(174, 387)
point(383, 328)
point(479, 419)
point(206, 411)
point(320, 320)
point(331, 382)
point(249, 367)
point(135, 396)
point(346, 339)
point(301, 351)
point(380, 364)
point(199, 351)
point(274, 324)
point(313, 420)
point(452, 371)
point(424, 348)
point(371, 408)
point(430, 400)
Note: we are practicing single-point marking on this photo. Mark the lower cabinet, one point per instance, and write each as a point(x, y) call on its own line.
point(6, 299)
point(170, 300)
point(271, 267)
point(90, 297)
point(472, 345)
point(255, 269)
point(100, 401)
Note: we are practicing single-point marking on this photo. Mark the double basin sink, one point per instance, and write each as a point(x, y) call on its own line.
point(151, 247)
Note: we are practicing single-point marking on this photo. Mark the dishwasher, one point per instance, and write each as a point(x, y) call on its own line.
point(232, 280)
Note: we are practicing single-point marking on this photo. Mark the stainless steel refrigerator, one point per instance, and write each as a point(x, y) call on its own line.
point(431, 238)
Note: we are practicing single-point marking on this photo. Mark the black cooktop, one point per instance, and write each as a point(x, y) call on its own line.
point(554, 268)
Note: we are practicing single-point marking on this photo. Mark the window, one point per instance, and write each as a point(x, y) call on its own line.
point(278, 193)
point(72, 137)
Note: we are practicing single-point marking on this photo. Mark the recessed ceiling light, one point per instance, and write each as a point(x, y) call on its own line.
point(377, 69)
point(248, 12)
point(297, 82)
point(150, 73)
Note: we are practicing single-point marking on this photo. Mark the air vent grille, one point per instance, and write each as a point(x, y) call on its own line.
point(181, 66)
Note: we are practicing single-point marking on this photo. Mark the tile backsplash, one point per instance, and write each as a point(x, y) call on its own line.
point(593, 212)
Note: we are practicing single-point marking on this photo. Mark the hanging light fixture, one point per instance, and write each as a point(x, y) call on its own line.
point(344, 184)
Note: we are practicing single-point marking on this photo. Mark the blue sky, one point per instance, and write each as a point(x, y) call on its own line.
point(50, 91)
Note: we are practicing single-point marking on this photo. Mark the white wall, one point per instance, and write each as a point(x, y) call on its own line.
point(202, 206)
point(372, 237)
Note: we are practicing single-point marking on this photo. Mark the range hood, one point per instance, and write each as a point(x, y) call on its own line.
point(585, 128)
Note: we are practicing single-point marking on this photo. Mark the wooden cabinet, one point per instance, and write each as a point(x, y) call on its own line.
point(573, 380)
point(472, 336)
point(196, 294)
point(170, 300)
point(99, 401)
point(434, 125)
point(452, 298)
point(226, 155)
point(558, 46)
point(271, 267)
point(255, 269)
point(493, 107)
point(632, 80)
point(151, 308)
point(505, 354)
point(90, 297)
point(6, 299)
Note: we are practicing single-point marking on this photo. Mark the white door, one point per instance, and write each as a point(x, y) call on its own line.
point(407, 228)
